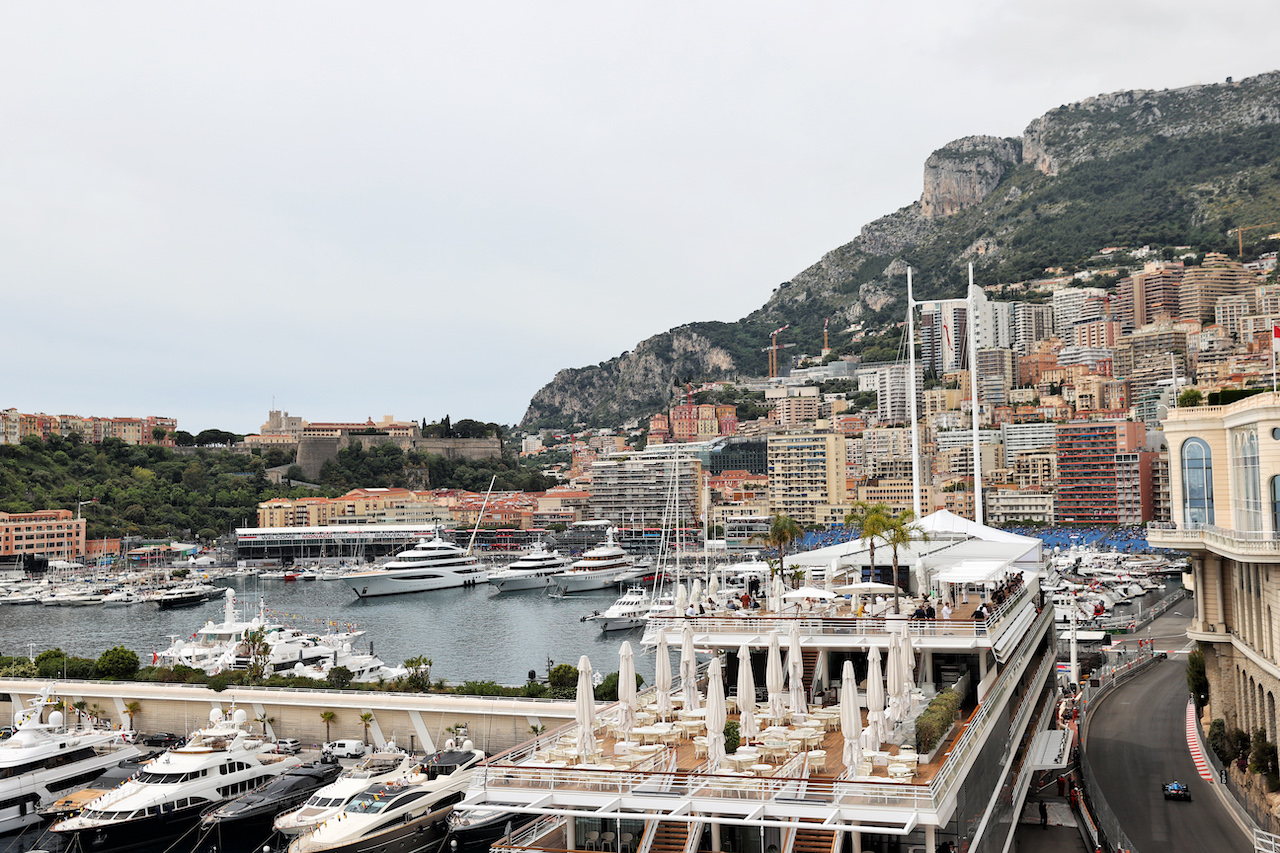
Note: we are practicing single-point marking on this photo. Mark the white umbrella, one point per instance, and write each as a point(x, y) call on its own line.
point(713, 586)
point(585, 713)
point(695, 593)
point(715, 714)
point(773, 678)
point(662, 676)
point(778, 589)
point(908, 651)
point(808, 592)
point(873, 736)
point(795, 663)
point(626, 689)
point(688, 669)
point(829, 580)
point(746, 696)
point(850, 717)
point(893, 663)
point(682, 599)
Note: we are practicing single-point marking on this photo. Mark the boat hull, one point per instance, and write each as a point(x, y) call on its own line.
point(374, 584)
point(586, 581)
point(514, 584)
point(140, 832)
point(424, 834)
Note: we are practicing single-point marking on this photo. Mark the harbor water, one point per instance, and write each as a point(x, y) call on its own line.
point(470, 634)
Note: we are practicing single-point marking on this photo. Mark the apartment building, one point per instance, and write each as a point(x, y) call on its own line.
point(807, 477)
point(1010, 506)
point(1151, 295)
point(15, 426)
point(944, 329)
point(53, 533)
point(642, 487)
point(1202, 286)
point(995, 376)
point(1104, 473)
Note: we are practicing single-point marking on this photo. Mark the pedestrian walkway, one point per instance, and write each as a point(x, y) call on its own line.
point(1062, 835)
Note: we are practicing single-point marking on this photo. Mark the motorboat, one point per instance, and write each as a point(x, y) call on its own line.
point(404, 817)
point(119, 598)
point(380, 768)
point(259, 807)
point(41, 761)
point(629, 611)
point(162, 802)
point(185, 595)
point(600, 568)
point(431, 564)
point(530, 571)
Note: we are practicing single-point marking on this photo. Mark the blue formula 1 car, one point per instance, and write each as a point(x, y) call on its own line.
point(1177, 791)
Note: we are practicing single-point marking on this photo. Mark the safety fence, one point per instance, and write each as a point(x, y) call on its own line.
point(1239, 800)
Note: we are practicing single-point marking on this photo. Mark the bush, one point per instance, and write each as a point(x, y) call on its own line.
point(1218, 740)
point(732, 736)
point(117, 662)
point(1197, 681)
point(534, 690)
point(339, 677)
point(936, 719)
point(563, 675)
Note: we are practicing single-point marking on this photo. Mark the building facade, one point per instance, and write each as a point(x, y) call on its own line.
point(52, 533)
point(1224, 471)
point(807, 476)
point(1104, 473)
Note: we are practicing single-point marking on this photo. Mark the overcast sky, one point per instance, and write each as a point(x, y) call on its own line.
point(423, 209)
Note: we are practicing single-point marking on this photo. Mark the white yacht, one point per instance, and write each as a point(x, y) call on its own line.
point(600, 568)
point(166, 799)
point(381, 768)
point(629, 611)
point(405, 817)
point(431, 564)
point(530, 571)
point(41, 761)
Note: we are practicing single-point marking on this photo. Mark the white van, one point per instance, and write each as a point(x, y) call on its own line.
point(345, 748)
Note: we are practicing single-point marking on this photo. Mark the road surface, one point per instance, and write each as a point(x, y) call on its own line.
point(1137, 743)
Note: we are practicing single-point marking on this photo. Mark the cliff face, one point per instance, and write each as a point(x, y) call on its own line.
point(616, 389)
point(963, 173)
point(984, 199)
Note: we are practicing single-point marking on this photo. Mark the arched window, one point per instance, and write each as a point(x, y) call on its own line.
point(1197, 483)
point(1275, 504)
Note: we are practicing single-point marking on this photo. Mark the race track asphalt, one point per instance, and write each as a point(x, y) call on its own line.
point(1136, 743)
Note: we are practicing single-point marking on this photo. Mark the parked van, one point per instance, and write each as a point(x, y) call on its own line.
point(345, 748)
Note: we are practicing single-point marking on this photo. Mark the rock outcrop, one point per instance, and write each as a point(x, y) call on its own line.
point(963, 173)
point(613, 390)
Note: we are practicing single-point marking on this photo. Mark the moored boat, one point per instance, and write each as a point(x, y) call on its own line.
point(530, 571)
point(431, 564)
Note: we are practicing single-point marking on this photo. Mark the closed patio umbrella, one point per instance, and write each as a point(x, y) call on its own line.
point(626, 689)
point(773, 679)
point(907, 649)
point(873, 735)
point(715, 714)
point(893, 692)
point(689, 670)
point(795, 663)
point(682, 599)
point(746, 696)
point(662, 676)
point(850, 716)
point(585, 713)
point(778, 589)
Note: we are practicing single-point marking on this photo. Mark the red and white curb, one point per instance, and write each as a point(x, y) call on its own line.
point(1193, 743)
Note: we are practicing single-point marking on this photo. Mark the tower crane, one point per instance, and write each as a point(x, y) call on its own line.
point(773, 348)
point(1240, 236)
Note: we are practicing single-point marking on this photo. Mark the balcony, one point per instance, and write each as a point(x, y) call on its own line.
point(1165, 534)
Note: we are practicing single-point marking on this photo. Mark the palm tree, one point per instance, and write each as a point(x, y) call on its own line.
point(783, 530)
point(264, 721)
point(871, 520)
point(901, 532)
point(366, 718)
point(327, 717)
point(259, 653)
point(131, 710)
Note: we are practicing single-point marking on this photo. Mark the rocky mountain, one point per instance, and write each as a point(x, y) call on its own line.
point(1161, 168)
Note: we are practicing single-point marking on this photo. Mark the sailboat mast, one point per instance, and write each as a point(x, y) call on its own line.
point(973, 390)
point(911, 399)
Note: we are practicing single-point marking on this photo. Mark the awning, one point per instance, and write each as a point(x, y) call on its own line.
point(1013, 629)
point(972, 571)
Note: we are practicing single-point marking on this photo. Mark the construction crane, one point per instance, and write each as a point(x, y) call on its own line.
point(773, 348)
point(1240, 235)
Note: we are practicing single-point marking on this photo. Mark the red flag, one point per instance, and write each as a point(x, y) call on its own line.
point(1275, 338)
